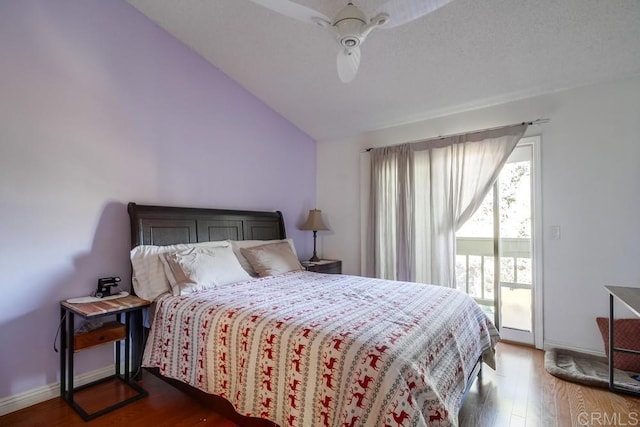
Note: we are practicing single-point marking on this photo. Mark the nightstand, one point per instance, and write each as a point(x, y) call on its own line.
point(327, 266)
point(115, 331)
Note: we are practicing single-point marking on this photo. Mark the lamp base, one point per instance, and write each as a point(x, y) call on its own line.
point(314, 258)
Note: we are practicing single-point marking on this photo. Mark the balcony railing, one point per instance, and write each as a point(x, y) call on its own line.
point(475, 266)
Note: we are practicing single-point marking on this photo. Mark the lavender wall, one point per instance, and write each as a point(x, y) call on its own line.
point(99, 107)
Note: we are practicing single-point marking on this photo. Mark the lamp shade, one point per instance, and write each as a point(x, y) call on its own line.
point(314, 222)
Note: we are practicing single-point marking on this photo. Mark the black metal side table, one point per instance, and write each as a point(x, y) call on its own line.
point(110, 332)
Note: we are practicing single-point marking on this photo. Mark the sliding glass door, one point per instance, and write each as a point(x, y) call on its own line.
point(504, 285)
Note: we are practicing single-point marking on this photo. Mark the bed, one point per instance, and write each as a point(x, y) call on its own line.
point(303, 349)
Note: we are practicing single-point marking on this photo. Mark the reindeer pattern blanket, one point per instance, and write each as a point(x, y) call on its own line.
point(309, 349)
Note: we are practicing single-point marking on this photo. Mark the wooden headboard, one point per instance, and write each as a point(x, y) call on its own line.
point(165, 225)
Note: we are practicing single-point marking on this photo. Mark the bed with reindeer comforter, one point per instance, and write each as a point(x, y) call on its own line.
point(309, 349)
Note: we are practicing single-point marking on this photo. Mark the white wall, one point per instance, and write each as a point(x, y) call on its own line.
point(590, 175)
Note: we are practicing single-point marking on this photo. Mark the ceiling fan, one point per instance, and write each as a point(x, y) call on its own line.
point(351, 26)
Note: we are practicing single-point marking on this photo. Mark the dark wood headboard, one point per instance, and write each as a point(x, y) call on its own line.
point(166, 225)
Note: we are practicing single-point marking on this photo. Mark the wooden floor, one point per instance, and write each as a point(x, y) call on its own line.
point(519, 393)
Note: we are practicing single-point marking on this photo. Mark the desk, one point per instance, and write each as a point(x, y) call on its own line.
point(630, 297)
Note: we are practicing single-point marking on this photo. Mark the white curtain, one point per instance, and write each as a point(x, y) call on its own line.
point(420, 198)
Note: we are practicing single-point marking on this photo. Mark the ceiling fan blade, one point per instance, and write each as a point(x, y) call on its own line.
point(348, 63)
point(295, 11)
point(403, 11)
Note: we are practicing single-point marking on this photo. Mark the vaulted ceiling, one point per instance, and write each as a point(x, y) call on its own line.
point(467, 54)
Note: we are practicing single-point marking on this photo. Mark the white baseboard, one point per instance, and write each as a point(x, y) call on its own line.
point(550, 344)
point(50, 391)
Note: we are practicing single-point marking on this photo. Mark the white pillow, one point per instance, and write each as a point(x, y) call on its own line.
point(236, 245)
point(272, 259)
point(148, 278)
point(198, 268)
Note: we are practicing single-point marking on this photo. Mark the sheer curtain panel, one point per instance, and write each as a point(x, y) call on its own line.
point(421, 193)
point(390, 241)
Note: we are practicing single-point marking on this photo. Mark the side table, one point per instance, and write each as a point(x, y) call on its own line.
point(328, 266)
point(110, 332)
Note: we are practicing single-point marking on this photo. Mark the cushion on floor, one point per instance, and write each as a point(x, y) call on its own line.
point(586, 369)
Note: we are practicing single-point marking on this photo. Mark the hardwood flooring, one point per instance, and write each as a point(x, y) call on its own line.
point(519, 393)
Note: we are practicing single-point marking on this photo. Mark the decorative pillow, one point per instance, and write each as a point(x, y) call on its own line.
point(272, 258)
point(237, 245)
point(626, 335)
point(149, 279)
point(197, 269)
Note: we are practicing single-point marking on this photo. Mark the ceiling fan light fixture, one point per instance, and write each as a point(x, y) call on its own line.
point(350, 42)
point(349, 31)
point(348, 25)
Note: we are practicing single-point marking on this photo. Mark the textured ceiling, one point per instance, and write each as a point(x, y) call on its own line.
point(467, 54)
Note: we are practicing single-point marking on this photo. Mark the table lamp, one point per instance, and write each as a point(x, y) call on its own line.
point(314, 223)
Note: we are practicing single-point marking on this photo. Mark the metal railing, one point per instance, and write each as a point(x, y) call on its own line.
point(475, 266)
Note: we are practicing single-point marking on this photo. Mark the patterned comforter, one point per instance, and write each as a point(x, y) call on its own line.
point(309, 349)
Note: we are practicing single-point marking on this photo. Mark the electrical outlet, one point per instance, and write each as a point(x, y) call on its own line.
point(555, 232)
